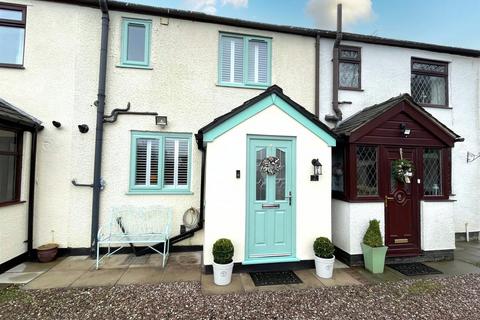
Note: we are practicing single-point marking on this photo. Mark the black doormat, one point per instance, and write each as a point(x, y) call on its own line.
point(414, 269)
point(272, 278)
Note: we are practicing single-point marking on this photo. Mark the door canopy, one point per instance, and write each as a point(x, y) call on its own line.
point(398, 120)
point(272, 96)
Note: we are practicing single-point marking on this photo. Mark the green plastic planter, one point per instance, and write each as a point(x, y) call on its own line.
point(374, 258)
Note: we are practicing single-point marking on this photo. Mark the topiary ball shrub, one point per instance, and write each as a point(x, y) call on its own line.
point(223, 251)
point(323, 248)
point(373, 236)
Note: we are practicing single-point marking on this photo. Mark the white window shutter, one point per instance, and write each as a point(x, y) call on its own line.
point(176, 162)
point(146, 168)
point(257, 61)
point(231, 59)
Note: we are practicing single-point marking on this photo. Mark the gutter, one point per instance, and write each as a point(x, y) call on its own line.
point(97, 170)
point(335, 104)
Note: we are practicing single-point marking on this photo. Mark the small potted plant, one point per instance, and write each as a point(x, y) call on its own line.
point(48, 252)
point(324, 258)
point(374, 251)
point(222, 261)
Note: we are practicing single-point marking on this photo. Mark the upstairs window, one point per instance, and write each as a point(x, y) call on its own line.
point(244, 61)
point(10, 165)
point(12, 34)
point(136, 43)
point(429, 82)
point(160, 163)
point(349, 68)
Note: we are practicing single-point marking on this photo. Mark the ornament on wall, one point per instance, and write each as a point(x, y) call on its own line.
point(270, 166)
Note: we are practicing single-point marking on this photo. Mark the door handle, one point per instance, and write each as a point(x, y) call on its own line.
point(386, 200)
point(289, 198)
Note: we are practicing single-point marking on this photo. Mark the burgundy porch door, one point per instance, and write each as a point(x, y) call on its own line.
point(402, 218)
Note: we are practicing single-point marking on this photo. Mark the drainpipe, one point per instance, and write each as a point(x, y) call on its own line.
point(31, 193)
point(338, 113)
point(97, 171)
point(317, 75)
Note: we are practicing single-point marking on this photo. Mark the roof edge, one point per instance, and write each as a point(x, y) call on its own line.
point(310, 32)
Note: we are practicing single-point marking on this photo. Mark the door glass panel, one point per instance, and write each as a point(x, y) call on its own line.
point(261, 179)
point(280, 177)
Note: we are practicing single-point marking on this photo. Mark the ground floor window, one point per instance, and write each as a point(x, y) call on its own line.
point(432, 172)
point(10, 165)
point(160, 162)
point(367, 171)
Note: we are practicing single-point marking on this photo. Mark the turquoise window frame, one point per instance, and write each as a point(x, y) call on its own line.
point(160, 187)
point(245, 83)
point(124, 62)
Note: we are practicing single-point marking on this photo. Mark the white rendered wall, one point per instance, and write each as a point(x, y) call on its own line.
point(14, 218)
point(60, 82)
point(225, 195)
point(437, 229)
point(385, 74)
point(350, 222)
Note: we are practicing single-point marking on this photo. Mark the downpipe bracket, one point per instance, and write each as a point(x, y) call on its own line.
point(103, 183)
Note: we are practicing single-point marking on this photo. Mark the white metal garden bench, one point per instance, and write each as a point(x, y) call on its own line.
point(129, 225)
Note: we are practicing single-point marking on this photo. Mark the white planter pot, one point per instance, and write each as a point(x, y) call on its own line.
point(324, 267)
point(222, 273)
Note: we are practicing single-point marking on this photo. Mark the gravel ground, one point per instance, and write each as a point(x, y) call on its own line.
point(442, 298)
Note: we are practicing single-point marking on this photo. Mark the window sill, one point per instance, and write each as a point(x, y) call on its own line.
point(133, 67)
point(11, 203)
point(242, 86)
point(426, 105)
point(159, 192)
point(11, 66)
point(351, 89)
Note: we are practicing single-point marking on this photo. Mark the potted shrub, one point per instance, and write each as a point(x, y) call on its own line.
point(222, 261)
point(374, 251)
point(324, 258)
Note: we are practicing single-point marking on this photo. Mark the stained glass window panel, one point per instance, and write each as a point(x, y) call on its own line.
point(261, 181)
point(367, 177)
point(432, 182)
point(280, 176)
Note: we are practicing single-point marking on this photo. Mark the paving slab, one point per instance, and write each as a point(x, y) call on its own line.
point(453, 268)
point(340, 278)
point(309, 278)
point(387, 275)
point(18, 277)
point(210, 288)
point(74, 263)
point(34, 266)
point(340, 265)
point(142, 275)
point(183, 273)
point(116, 261)
point(54, 279)
point(99, 278)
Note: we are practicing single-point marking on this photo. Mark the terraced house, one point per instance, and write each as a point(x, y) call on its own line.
point(107, 103)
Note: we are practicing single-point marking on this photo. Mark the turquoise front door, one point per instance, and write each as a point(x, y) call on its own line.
point(270, 224)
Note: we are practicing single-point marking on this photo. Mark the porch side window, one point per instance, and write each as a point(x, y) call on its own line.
point(432, 168)
point(12, 34)
point(136, 43)
point(349, 68)
point(367, 171)
point(338, 169)
point(429, 82)
point(10, 166)
point(244, 61)
point(160, 163)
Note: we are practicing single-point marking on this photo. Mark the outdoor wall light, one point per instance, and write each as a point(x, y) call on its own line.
point(317, 170)
point(56, 124)
point(83, 128)
point(405, 130)
point(161, 121)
